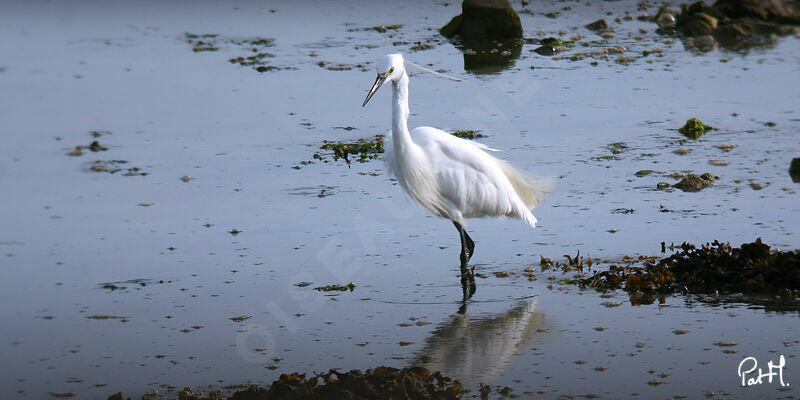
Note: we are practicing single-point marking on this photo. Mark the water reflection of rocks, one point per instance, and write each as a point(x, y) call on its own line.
point(476, 349)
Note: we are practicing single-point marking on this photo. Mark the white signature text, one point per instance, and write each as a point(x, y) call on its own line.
point(749, 365)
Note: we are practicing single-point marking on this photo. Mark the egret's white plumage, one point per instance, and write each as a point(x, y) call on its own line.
point(452, 177)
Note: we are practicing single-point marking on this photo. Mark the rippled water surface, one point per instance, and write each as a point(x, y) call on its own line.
point(216, 207)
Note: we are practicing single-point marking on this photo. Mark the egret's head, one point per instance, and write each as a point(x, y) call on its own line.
point(390, 68)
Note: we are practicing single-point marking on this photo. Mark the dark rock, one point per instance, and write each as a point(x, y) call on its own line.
point(666, 18)
point(662, 185)
point(485, 20)
point(731, 36)
point(451, 28)
point(794, 170)
point(695, 183)
point(703, 43)
point(546, 50)
point(599, 26)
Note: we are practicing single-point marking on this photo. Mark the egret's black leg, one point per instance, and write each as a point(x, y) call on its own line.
point(468, 287)
point(467, 247)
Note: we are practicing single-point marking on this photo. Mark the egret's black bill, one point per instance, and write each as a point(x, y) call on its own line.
point(378, 82)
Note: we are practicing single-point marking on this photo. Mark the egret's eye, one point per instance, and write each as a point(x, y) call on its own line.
point(390, 70)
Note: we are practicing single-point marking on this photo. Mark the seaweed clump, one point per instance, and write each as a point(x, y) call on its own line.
point(468, 134)
point(377, 383)
point(364, 149)
point(711, 268)
point(336, 288)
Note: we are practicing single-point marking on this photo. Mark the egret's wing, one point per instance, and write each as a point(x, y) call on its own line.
point(474, 183)
point(468, 179)
point(484, 147)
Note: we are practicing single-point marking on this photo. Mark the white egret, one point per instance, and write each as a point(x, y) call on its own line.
point(452, 177)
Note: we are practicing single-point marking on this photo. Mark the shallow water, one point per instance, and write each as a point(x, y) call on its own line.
point(128, 71)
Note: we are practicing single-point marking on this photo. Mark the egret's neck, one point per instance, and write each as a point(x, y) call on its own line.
point(400, 135)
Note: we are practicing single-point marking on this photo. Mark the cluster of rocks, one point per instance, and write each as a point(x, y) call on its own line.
point(731, 24)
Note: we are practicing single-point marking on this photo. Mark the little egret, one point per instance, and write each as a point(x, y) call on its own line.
point(452, 177)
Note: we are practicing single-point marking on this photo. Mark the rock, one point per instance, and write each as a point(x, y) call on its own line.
point(662, 185)
point(550, 46)
point(694, 128)
point(666, 18)
point(704, 43)
point(794, 170)
point(698, 27)
point(666, 21)
point(599, 26)
point(707, 19)
point(485, 20)
point(546, 50)
point(644, 172)
point(695, 183)
point(731, 36)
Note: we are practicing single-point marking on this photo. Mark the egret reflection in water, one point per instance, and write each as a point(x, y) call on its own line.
point(476, 349)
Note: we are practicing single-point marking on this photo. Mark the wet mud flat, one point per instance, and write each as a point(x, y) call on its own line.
point(195, 198)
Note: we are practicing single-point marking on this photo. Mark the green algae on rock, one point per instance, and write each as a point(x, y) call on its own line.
point(694, 128)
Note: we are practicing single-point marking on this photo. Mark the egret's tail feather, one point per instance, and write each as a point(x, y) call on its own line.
point(528, 218)
point(531, 190)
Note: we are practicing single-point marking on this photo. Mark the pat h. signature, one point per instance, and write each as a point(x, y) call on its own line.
point(749, 365)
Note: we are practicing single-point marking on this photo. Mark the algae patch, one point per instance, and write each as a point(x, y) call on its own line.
point(694, 128)
point(256, 57)
point(362, 150)
point(336, 288)
point(115, 166)
point(468, 134)
point(94, 147)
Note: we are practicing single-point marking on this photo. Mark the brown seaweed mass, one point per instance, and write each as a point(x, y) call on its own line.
point(711, 268)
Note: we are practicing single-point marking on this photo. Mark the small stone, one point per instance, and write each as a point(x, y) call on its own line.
point(599, 26)
point(694, 183)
